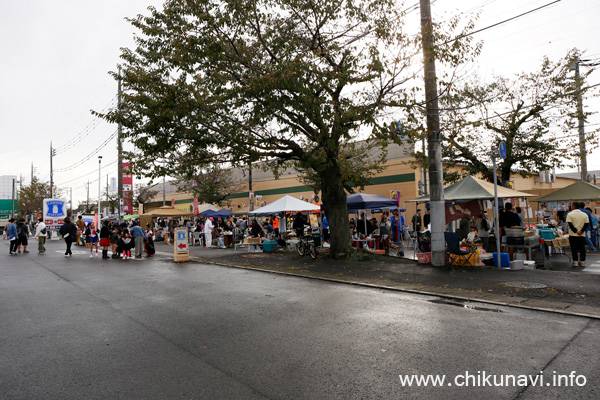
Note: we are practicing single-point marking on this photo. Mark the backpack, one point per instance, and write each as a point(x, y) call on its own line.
point(43, 231)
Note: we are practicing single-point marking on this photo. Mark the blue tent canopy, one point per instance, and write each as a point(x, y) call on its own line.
point(223, 213)
point(364, 201)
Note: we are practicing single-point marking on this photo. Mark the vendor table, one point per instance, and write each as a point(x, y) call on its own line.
point(528, 247)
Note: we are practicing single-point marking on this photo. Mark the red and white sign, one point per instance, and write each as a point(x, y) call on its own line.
point(195, 205)
point(172, 202)
point(127, 189)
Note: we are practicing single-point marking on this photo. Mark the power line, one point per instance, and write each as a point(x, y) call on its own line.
point(85, 132)
point(92, 154)
point(502, 22)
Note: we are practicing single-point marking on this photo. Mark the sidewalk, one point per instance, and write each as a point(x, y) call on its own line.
point(567, 290)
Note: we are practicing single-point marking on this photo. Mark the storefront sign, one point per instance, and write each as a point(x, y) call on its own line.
point(55, 211)
point(127, 189)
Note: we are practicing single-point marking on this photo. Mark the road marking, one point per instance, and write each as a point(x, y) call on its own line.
point(592, 268)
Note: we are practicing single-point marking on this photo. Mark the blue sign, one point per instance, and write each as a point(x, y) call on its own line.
point(502, 149)
point(56, 209)
point(400, 129)
point(180, 235)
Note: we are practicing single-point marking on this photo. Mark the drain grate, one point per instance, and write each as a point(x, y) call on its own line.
point(468, 306)
point(526, 285)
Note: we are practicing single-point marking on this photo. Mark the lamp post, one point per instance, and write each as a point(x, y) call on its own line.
point(99, 189)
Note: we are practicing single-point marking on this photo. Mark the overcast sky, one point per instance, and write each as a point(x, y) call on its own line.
point(55, 58)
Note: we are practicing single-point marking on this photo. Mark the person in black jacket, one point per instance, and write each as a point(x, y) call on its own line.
point(105, 238)
point(69, 233)
point(298, 225)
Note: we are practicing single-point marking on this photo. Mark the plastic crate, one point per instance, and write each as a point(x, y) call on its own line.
point(269, 246)
point(547, 234)
point(504, 260)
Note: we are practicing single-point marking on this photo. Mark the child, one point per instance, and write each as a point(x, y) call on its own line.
point(149, 248)
point(126, 244)
point(93, 239)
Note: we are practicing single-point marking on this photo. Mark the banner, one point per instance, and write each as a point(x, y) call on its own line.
point(127, 190)
point(460, 210)
point(195, 211)
point(172, 202)
point(55, 211)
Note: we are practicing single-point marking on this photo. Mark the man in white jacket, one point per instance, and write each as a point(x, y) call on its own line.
point(208, 227)
point(41, 234)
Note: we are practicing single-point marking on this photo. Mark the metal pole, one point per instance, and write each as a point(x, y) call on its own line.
point(496, 209)
point(164, 193)
point(436, 173)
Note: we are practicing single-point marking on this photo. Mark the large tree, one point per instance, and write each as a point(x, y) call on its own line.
point(280, 81)
point(31, 197)
point(534, 114)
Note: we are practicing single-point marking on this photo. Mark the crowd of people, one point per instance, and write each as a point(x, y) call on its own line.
point(120, 238)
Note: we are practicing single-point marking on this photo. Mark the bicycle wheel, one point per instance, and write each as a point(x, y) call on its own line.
point(301, 248)
point(312, 250)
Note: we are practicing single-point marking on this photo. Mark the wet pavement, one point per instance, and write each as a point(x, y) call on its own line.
point(561, 289)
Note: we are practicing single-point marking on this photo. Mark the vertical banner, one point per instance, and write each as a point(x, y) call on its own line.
point(172, 202)
point(127, 190)
point(395, 195)
point(141, 211)
point(195, 206)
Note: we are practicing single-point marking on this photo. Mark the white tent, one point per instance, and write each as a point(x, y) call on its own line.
point(205, 206)
point(284, 204)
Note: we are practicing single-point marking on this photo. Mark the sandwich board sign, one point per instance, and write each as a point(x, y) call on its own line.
point(181, 250)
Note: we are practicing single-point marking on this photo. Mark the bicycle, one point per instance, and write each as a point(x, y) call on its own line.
point(307, 243)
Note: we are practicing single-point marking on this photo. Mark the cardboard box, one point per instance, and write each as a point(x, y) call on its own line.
point(252, 240)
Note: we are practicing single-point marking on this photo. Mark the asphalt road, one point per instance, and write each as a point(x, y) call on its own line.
point(81, 328)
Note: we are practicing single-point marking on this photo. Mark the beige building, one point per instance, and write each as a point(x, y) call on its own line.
point(397, 178)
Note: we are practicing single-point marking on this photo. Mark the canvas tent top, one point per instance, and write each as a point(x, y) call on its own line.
point(202, 208)
point(471, 188)
point(365, 201)
point(284, 204)
point(579, 190)
point(167, 211)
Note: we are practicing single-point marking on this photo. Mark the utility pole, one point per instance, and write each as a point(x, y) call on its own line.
point(51, 173)
point(87, 203)
point(582, 152)
point(13, 199)
point(436, 174)
point(120, 150)
point(164, 192)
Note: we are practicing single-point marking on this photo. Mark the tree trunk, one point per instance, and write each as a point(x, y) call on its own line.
point(336, 210)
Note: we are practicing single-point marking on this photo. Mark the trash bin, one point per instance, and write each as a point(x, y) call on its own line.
point(316, 239)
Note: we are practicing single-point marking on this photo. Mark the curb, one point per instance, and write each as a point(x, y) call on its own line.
point(397, 289)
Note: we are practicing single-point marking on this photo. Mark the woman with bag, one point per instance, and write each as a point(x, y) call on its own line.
point(69, 233)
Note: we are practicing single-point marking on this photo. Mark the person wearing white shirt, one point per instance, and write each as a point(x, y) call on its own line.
point(41, 234)
point(208, 227)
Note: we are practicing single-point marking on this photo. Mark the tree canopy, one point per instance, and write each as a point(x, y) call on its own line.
point(281, 81)
point(534, 114)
